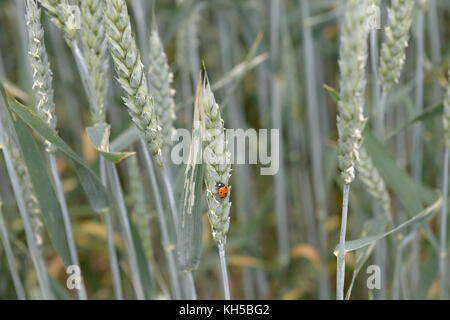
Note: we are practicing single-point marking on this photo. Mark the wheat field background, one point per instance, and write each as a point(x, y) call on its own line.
point(93, 206)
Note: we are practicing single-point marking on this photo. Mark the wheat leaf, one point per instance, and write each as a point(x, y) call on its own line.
point(99, 136)
point(95, 191)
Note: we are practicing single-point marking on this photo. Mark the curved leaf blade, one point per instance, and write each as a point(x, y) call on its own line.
point(99, 136)
point(94, 189)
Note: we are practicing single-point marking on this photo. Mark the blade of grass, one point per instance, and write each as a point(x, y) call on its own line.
point(93, 187)
point(18, 286)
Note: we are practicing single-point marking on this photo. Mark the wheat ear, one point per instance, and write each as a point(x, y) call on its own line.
point(95, 46)
point(160, 80)
point(396, 40)
point(131, 76)
point(40, 67)
point(59, 12)
point(218, 170)
point(374, 183)
point(350, 121)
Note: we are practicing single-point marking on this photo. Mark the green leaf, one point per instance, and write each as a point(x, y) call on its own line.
point(427, 113)
point(371, 227)
point(58, 289)
point(148, 281)
point(410, 193)
point(95, 191)
point(99, 136)
point(43, 188)
point(361, 243)
point(190, 225)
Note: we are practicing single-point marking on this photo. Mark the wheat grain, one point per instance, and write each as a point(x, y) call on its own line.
point(131, 76)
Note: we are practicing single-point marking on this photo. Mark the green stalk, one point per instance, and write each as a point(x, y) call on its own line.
point(189, 283)
point(224, 272)
point(433, 27)
point(279, 182)
point(63, 68)
point(380, 249)
point(110, 239)
point(167, 244)
point(443, 232)
point(126, 229)
point(84, 75)
point(82, 295)
point(18, 287)
point(417, 141)
point(139, 13)
point(316, 149)
point(36, 257)
point(340, 274)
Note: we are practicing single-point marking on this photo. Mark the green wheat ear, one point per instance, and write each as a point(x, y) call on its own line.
point(59, 12)
point(41, 72)
point(160, 80)
point(131, 76)
point(31, 201)
point(396, 40)
point(352, 62)
point(218, 166)
point(95, 45)
point(374, 182)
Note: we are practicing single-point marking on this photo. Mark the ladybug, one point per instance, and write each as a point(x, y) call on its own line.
point(223, 190)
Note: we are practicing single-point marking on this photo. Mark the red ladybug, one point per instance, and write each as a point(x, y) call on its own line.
point(223, 190)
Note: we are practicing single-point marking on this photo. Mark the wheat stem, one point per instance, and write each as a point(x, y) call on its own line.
point(443, 231)
point(82, 295)
point(29, 232)
point(340, 274)
point(84, 75)
point(167, 244)
point(315, 145)
point(350, 121)
point(417, 161)
point(224, 272)
point(18, 286)
point(110, 238)
point(126, 230)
